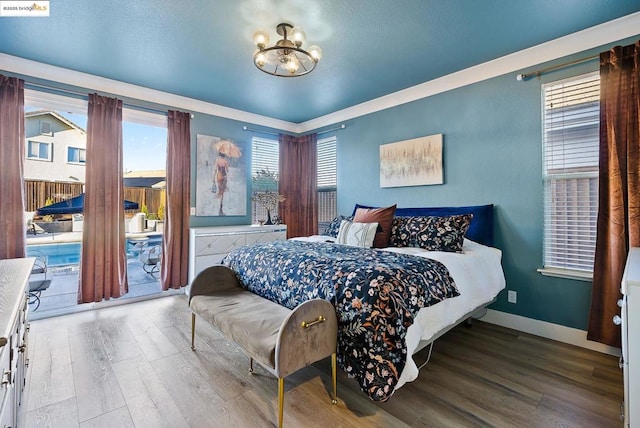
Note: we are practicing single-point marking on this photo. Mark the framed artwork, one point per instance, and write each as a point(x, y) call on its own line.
point(416, 162)
point(221, 178)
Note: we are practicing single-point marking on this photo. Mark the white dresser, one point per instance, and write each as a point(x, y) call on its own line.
point(14, 277)
point(209, 245)
point(630, 320)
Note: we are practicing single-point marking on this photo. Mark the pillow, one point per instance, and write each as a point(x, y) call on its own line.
point(400, 233)
point(433, 233)
point(333, 227)
point(382, 216)
point(357, 234)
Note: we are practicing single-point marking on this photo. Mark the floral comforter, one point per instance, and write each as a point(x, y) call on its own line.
point(376, 295)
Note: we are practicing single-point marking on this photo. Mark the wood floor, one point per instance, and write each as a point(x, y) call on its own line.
point(131, 366)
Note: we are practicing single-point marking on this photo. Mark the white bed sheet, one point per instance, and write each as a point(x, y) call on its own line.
point(478, 274)
point(479, 277)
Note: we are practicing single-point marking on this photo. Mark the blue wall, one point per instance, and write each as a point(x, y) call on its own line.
point(492, 154)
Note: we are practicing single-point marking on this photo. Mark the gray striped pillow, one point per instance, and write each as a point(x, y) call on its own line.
point(357, 234)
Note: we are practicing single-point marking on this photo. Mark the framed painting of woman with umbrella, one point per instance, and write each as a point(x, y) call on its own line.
point(221, 182)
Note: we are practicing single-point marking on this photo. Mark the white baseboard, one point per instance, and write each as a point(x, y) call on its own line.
point(569, 335)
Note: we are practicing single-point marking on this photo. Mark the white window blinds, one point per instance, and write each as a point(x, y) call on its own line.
point(571, 115)
point(327, 161)
point(265, 155)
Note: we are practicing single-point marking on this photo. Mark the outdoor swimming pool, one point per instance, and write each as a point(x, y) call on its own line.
point(68, 253)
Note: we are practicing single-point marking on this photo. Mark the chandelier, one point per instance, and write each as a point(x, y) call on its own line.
point(286, 58)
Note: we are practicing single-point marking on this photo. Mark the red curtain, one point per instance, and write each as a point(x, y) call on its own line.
point(12, 153)
point(175, 248)
point(103, 264)
point(298, 184)
point(619, 186)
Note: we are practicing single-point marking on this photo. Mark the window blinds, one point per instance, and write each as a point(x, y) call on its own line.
point(327, 160)
point(571, 110)
point(265, 155)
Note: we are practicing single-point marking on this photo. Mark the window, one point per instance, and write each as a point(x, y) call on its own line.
point(76, 155)
point(571, 110)
point(265, 157)
point(327, 181)
point(39, 150)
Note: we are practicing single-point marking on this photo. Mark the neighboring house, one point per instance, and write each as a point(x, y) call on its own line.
point(55, 148)
point(152, 178)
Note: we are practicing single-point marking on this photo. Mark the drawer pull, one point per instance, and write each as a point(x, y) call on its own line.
point(307, 324)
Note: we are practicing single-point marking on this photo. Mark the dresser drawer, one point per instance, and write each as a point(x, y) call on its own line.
point(217, 244)
point(254, 238)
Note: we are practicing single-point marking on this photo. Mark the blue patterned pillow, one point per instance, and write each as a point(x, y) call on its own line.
point(333, 227)
point(400, 234)
point(431, 233)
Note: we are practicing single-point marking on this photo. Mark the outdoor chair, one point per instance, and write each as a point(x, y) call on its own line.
point(32, 227)
point(38, 281)
point(150, 258)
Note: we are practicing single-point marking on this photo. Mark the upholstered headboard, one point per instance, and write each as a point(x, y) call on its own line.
point(480, 230)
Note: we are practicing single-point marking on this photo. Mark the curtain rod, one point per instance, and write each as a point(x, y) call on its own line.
point(39, 86)
point(337, 128)
point(538, 73)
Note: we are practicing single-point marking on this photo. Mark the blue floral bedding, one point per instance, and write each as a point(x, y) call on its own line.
point(376, 295)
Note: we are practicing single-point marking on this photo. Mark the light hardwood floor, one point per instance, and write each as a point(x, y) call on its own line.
point(131, 366)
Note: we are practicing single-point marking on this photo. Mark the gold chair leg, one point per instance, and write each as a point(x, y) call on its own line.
point(251, 365)
point(280, 401)
point(334, 363)
point(193, 331)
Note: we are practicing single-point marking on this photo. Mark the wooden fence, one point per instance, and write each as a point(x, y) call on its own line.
point(37, 193)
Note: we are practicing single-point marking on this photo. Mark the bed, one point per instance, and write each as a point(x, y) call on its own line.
point(381, 330)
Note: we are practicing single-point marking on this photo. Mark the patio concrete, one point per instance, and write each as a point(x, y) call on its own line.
point(62, 295)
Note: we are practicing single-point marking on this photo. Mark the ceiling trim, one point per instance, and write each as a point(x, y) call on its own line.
point(589, 38)
point(92, 82)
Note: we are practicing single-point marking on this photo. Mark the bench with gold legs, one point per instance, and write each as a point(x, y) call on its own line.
point(280, 339)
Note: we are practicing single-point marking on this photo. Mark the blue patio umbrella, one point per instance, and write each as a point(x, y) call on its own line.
point(75, 206)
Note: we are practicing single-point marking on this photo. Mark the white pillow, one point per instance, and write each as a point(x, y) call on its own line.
point(357, 234)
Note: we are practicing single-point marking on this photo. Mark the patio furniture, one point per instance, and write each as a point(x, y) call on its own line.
point(32, 227)
point(150, 257)
point(38, 279)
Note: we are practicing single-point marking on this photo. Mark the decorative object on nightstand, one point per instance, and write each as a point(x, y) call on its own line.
point(265, 186)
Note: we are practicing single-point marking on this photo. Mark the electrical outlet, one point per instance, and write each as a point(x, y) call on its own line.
point(192, 211)
point(512, 296)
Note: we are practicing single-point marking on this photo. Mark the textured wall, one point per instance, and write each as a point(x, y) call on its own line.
point(492, 154)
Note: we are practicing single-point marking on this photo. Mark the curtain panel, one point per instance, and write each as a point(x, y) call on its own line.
point(618, 226)
point(12, 154)
point(175, 248)
point(103, 263)
point(298, 184)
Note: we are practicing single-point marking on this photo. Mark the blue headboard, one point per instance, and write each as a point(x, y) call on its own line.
point(480, 230)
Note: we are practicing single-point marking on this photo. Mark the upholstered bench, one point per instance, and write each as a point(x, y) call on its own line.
point(282, 340)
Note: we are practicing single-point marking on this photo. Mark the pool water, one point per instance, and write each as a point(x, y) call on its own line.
point(68, 253)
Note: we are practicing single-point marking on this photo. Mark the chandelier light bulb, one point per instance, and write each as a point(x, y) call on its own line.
point(315, 52)
point(292, 65)
point(297, 36)
point(261, 39)
point(260, 59)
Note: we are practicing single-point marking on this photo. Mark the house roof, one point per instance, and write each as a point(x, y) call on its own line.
point(154, 173)
point(69, 123)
